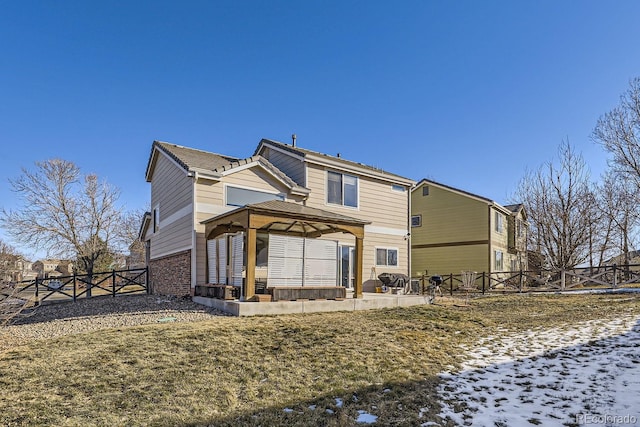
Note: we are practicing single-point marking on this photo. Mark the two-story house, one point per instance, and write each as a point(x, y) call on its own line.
point(286, 216)
point(48, 268)
point(453, 230)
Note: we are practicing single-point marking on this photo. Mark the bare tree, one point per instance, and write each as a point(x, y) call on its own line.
point(619, 202)
point(8, 258)
point(618, 131)
point(558, 199)
point(11, 303)
point(63, 212)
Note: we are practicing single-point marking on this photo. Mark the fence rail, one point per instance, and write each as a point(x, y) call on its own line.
point(80, 286)
point(583, 278)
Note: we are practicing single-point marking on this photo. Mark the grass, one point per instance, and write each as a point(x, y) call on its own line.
point(247, 371)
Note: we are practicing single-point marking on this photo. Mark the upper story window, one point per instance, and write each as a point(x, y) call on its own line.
point(396, 187)
point(243, 196)
point(499, 222)
point(342, 189)
point(416, 220)
point(519, 228)
point(425, 190)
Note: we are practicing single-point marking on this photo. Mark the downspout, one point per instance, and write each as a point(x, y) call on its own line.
point(409, 255)
point(489, 271)
point(194, 257)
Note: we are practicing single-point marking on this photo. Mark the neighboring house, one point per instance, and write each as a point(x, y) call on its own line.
point(453, 231)
point(286, 216)
point(53, 268)
point(15, 268)
point(137, 254)
point(632, 257)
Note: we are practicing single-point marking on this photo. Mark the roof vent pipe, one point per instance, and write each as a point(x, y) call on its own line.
point(293, 140)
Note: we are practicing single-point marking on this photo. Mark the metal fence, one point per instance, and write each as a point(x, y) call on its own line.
point(80, 286)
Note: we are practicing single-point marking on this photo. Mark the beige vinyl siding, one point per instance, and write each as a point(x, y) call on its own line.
point(209, 192)
point(175, 208)
point(499, 240)
point(201, 259)
point(257, 179)
point(212, 194)
point(450, 260)
point(377, 201)
point(448, 217)
point(291, 166)
point(371, 242)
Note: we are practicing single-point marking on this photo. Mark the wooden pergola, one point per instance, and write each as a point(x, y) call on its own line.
point(286, 218)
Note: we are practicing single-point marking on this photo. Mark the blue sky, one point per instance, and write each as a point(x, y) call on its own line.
point(468, 93)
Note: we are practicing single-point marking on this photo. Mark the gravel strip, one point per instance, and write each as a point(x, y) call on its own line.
point(88, 315)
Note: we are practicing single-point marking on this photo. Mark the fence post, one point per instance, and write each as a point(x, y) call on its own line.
point(520, 282)
point(74, 287)
point(483, 283)
point(113, 283)
point(146, 279)
point(37, 286)
point(451, 284)
point(615, 276)
point(562, 279)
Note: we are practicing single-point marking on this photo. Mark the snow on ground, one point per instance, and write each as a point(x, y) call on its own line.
point(588, 373)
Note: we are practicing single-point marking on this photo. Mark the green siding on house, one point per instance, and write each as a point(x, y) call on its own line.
point(451, 259)
point(459, 232)
point(448, 217)
point(454, 234)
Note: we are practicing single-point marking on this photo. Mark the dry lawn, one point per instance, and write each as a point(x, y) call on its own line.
point(285, 370)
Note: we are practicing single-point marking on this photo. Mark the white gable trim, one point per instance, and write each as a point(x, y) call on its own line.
point(256, 163)
point(339, 166)
point(280, 150)
point(154, 161)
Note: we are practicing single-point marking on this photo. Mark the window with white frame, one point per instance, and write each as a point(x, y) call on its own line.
point(498, 258)
point(342, 189)
point(416, 220)
point(520, 228)
point(156, 218)
point(387, 257)
point(499, 222)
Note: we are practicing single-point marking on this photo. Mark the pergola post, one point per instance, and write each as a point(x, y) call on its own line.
point(358, 267)
point(250, 275)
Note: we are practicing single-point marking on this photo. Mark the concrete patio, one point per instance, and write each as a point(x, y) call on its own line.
point(369, 301)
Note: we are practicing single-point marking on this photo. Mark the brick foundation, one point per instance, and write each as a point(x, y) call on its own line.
point(171, 275)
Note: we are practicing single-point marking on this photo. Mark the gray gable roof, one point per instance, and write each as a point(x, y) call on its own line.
point(191, 159)
point(448, 187)
point(321, 157)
